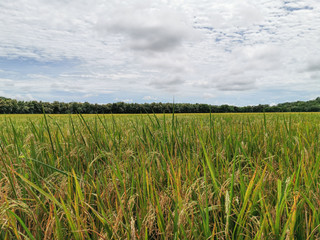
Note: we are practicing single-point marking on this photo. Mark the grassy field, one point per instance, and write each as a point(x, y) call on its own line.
point(196, 176)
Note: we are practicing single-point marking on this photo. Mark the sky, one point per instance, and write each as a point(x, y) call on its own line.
point(196, 51)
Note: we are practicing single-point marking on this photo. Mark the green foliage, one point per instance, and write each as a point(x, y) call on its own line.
point(9, 106)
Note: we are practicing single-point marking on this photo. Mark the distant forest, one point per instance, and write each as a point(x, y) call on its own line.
point(12, 106)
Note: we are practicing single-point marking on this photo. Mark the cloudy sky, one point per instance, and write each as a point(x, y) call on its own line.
point(217, 52)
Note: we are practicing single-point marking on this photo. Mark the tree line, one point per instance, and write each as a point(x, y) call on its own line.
point(12, 106)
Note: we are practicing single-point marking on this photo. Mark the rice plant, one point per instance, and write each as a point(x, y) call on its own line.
point(180, 176)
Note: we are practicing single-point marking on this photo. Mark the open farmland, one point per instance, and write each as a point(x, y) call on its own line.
point(185, 176)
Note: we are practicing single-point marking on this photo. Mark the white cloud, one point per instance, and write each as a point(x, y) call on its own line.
point(156, 48)
point(149, 98)
point(123, 100)
point(170, 84)
point(4, 83)
point(236, 84)
point(314, 65)
point(208, 95)
point(148, 29)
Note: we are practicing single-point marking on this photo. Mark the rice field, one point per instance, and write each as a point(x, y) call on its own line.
point(178, 176)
